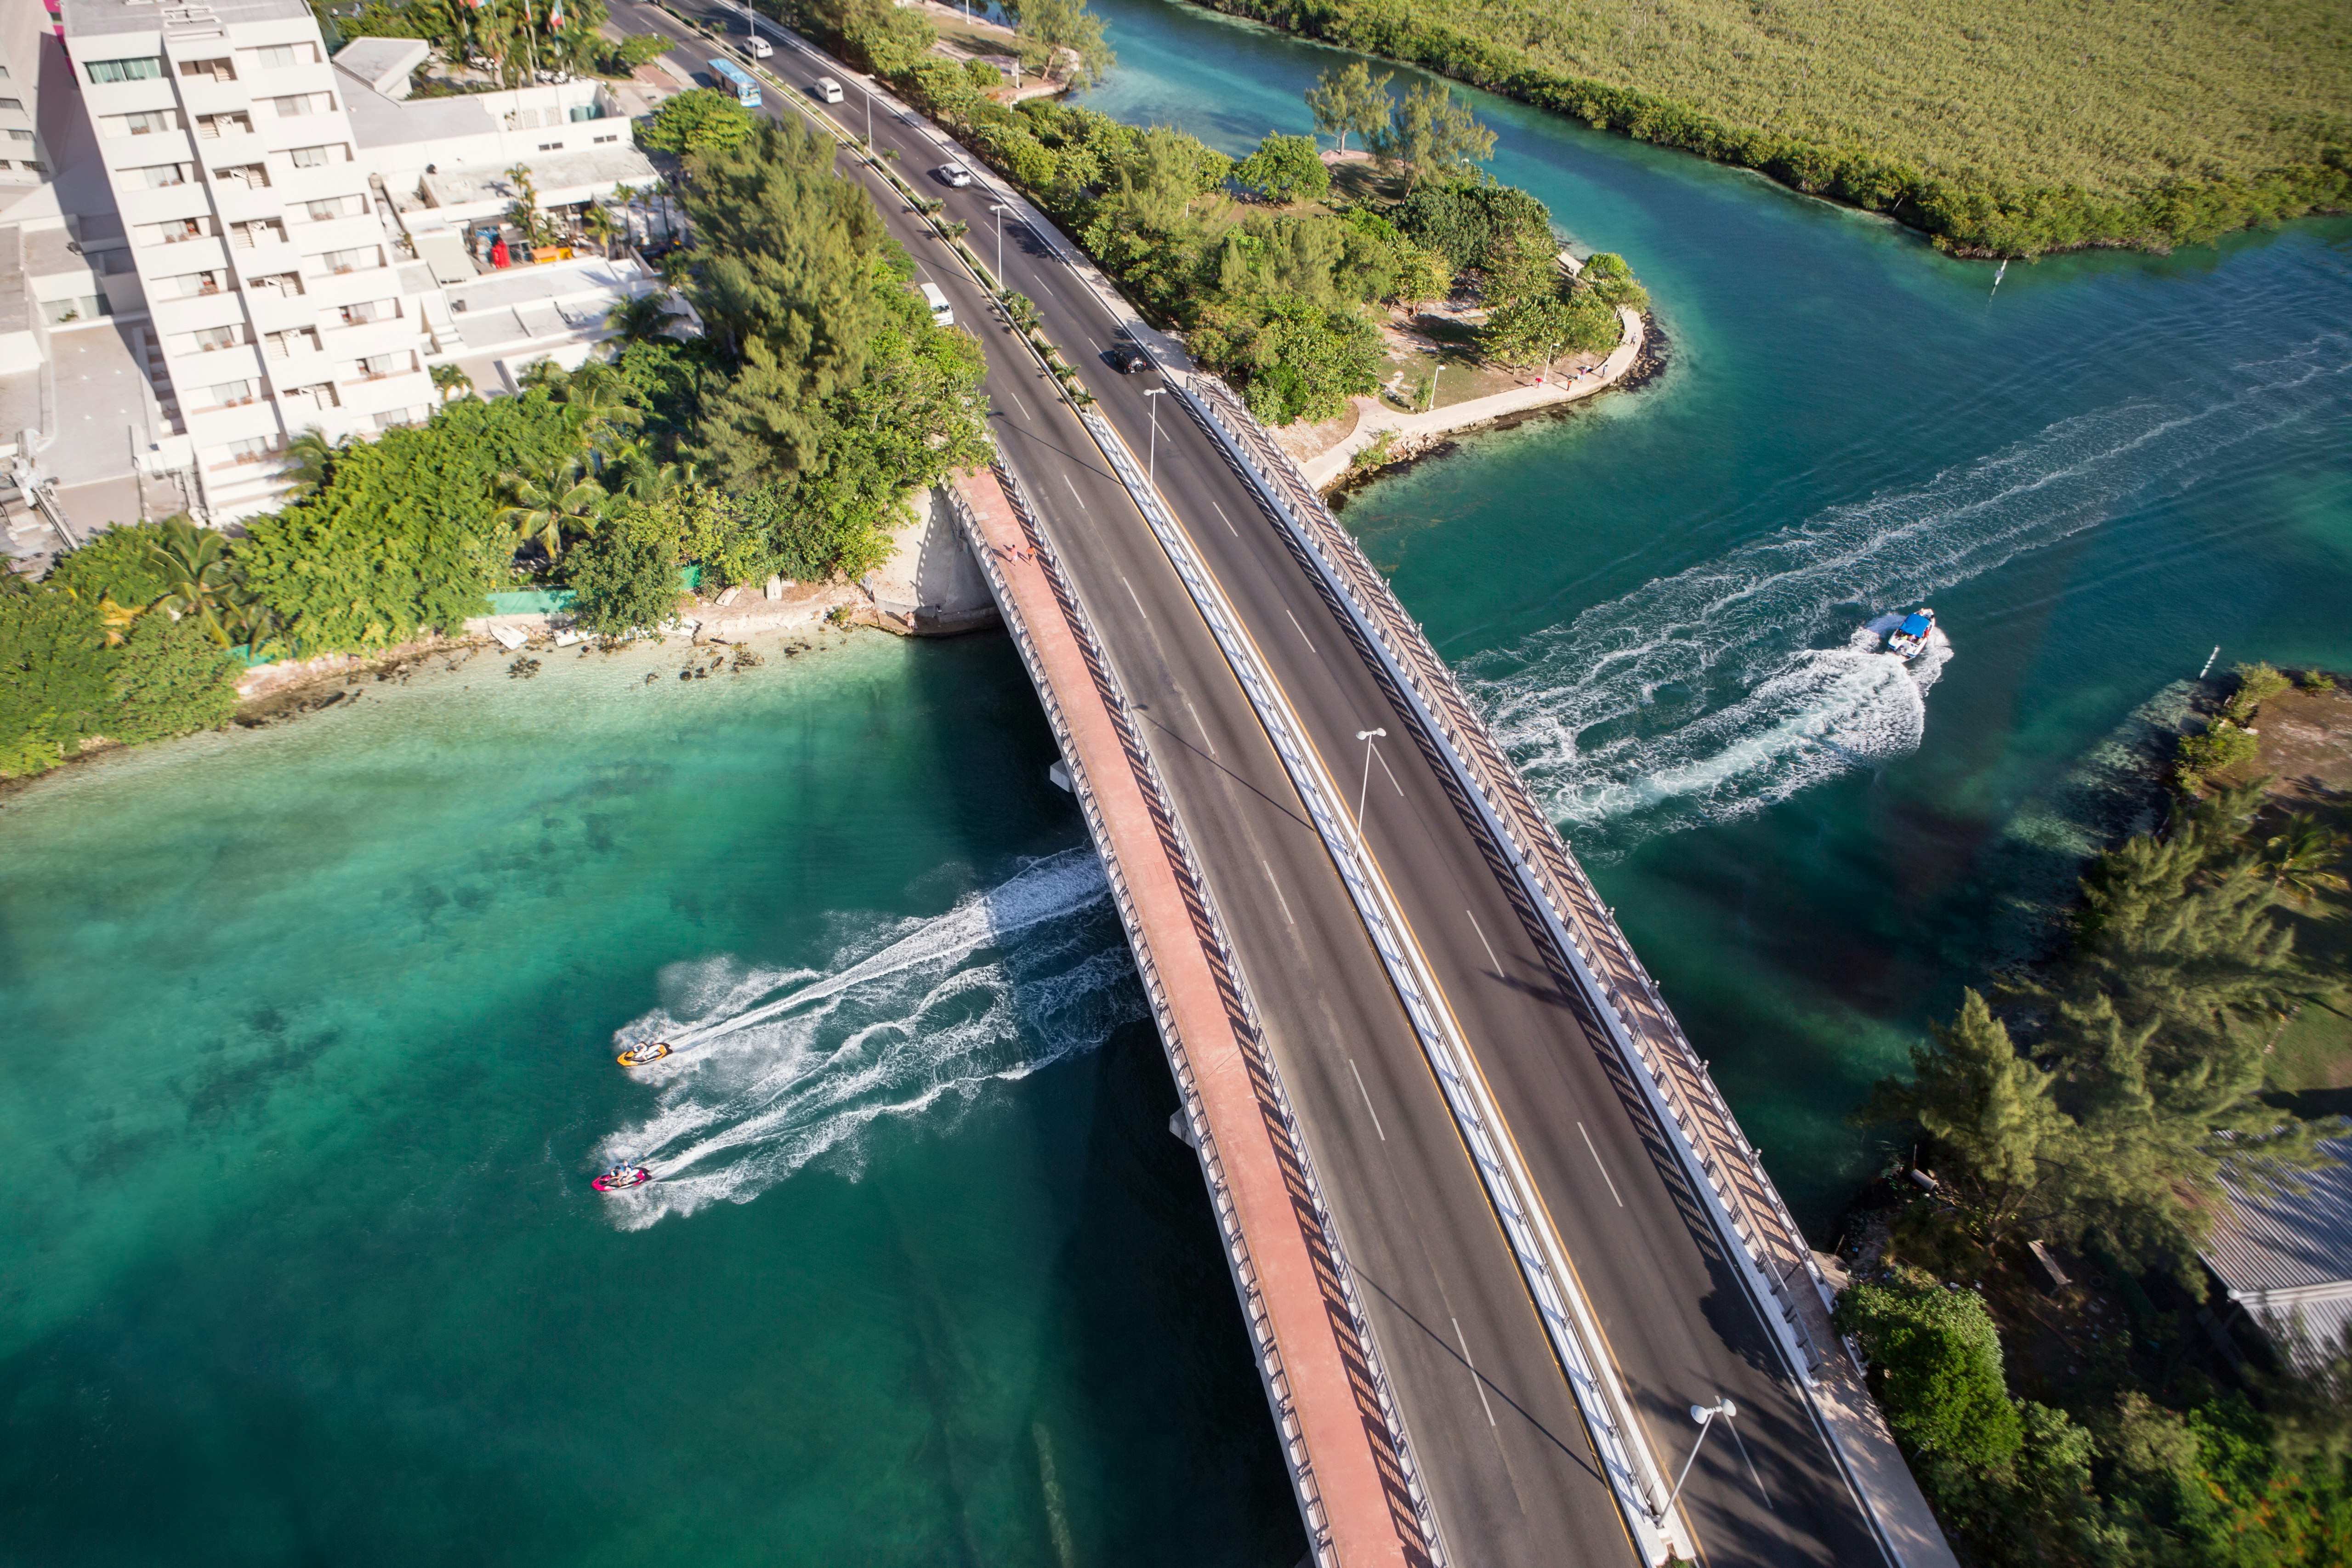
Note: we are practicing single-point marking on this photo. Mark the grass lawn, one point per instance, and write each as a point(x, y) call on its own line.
point(2026, 104)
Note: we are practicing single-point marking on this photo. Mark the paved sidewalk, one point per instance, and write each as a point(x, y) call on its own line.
point(1350, 1470)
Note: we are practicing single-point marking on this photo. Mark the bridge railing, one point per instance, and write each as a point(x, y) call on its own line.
point(1623, 993)
point(1254, 1310)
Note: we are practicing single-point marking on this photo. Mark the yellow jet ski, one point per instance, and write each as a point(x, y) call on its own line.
point(643, 1054)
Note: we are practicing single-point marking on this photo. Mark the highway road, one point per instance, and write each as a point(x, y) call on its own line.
point(1494, 1426)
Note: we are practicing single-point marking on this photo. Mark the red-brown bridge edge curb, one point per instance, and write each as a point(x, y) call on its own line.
point(1342, 1437)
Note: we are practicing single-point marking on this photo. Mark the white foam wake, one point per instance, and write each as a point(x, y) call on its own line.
point(909, 1017)
point(1712, 693)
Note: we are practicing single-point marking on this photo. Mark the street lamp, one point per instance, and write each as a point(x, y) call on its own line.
point(1705, 1416)
point(1000, 209)
point(1368, 737)
point(1151, 463)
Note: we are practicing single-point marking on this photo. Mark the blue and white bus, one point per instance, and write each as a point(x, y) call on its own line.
point(732, 76)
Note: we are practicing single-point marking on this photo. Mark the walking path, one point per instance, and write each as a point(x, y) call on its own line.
point(1377, 418)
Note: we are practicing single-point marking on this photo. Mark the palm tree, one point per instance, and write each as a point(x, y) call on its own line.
point(601, 225)
point(558, 500)
point(193, 562)
point(2299, 860)
point(308, 463)
point(640, 321)
point(451, 381)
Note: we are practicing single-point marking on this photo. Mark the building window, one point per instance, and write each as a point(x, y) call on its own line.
point(286, 283)
point(219, 70)
point(148, 69)
point(374, 311)
point(144, 123)
point(89, 307)
point(156, 176)
point(335, 207)
point(398, 416)
point(15, 103)
point(174, 232)
point(298, 340)
point(212, 127)
point(287, 54)
point(287, 107)
point(20, 135)
point(253, 177)
point(602, 140)
point(353, 260)
point(191, 284)
point(232, 393)
point(253, 449)
point(375, 367)
point(210, 337)
point(551, 146)
point(312, 157)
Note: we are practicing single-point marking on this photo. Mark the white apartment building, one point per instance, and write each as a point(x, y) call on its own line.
point(272, 281)
point(24, 29)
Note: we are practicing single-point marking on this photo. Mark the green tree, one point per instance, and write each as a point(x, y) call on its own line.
point(114, 567)
point(171, 678)
point(626, 576)
point(1606, 274)
point(194, 563)
point(1061, 25)
point(451, 382)
point(702, 120)
point(55, 674)
point(308, 461)
point(2257, 684)
point(1351, 99)
point(1989, 1107)
point(2299, 859)
point(1432, 135)
point(883, 37)
point(1935, 1363)
point(1284, 169)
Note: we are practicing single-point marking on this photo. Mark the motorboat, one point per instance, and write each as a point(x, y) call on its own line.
point(642, 1053)
point(1909, 638)
point(621, 1178)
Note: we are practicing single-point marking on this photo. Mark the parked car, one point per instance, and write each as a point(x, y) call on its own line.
point(955, 174)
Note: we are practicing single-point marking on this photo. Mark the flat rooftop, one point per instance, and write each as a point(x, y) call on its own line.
point(87, 18)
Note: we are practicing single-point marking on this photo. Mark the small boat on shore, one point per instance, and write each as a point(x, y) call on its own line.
point(1909, 638)
point(621, 1178)
point(642, 1053)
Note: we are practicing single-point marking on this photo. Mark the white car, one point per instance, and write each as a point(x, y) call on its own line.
point(955, 174)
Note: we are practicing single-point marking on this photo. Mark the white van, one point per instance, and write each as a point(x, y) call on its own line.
point(760, 47)
point(827, 91)
point(942, 312)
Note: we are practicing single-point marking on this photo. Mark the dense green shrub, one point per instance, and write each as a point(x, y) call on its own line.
point(700, 120)
point(170, 677)
point(627, 576)
point(1936, 1360)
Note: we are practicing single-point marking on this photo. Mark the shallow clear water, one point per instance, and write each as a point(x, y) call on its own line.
point(2096, 474)
point(315, 1031)
point(315, 1025)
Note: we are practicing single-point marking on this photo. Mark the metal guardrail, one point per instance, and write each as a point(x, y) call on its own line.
point(1634, 1478)
point(1645, 1029)
point(1237, 1255)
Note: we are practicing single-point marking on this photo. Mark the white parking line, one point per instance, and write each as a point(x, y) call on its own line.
point(1080, 499)
point(1368, 1100)
point(1474, 1370)
point(1613, 1186)
point(1277, 893)
point(1294, 623)
point(1228, 520)
point(1194, 712)
point(1130, 593)
point(1485, 943)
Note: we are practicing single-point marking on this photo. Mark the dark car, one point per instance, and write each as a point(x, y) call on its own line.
point(1127, 358)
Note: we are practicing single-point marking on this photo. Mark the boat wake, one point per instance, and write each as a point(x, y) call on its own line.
point(911, 1015)
point(1711, 694)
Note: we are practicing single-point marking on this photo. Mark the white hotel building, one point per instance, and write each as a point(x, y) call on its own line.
point(270, 284)
point(294, 273)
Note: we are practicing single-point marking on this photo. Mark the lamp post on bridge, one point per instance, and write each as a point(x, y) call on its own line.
point(1705, 1416)
point(1362, 790)
point(1151, 470)
point(1000, 209)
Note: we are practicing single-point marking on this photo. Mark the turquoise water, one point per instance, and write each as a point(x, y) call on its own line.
point(315, 1030)
point(2096, 474)
point(315, 1023)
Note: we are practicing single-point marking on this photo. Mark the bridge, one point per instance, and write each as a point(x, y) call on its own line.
point(1495, 1234)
